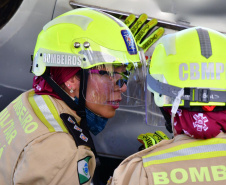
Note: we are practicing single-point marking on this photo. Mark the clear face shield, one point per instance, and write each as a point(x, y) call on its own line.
point(115, 78)
point(154, 115)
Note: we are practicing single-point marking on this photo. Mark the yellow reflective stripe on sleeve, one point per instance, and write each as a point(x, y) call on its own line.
point(54, 112)
point(46, 112)
point(38, 112)
point(210, 148)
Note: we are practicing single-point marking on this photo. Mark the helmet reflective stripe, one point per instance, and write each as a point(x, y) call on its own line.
point(84, 59)
point(97, 57)
point(45, 58)
point(189, 151)
point(196, 94)
point(47, 113)
point(205, 44)
point(79, 20)
point(169, 42)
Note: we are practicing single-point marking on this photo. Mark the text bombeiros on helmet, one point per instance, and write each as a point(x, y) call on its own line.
point(62, 59)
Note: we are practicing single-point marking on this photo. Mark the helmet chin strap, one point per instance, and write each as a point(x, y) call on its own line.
point(80, 108)
point(82, 93)
point(62, 94)
point(175, 106)
point(168, 120)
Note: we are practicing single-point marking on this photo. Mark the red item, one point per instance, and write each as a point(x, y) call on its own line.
point(59, 75)
point(202, 125)
point(208, 108)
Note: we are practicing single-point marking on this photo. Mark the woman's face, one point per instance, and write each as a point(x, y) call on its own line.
point(103, 95)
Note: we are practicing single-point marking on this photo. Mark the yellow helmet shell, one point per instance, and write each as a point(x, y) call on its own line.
point(84, 31)
point(194, 57)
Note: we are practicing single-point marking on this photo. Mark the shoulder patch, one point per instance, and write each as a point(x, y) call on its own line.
point(83, 170)
point(129, 41)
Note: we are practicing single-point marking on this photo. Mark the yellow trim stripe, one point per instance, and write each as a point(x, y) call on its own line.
point(54, 112)
point(38, 112)
point(188, 145)
point(195, 150)
point(46, 112)
point(187, 157)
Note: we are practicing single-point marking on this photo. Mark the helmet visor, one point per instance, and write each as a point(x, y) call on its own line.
point(115, 85)
point(114, 77)
point(153, 101)
point(154, 116)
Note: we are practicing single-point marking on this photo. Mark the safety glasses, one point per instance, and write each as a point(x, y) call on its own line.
point(123, 76)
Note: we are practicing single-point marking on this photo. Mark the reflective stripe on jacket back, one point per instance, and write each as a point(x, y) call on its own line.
point(198, 162)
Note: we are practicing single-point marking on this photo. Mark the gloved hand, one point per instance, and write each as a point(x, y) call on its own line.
point(150, 139)
point(144, 43)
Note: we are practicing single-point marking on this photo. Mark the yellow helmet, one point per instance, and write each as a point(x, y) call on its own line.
point(188, 69)
point(88, 38)
point(84, 38)
point(193, 59)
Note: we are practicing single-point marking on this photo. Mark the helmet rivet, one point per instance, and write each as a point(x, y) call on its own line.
point(76, 44)
point(84, 59)
point(40, 54)
point(86, 44)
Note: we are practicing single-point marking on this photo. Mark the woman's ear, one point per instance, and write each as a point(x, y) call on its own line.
point(72, 86)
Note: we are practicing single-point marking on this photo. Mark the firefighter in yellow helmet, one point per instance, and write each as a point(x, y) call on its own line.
point(186, 80)
point(83, 62)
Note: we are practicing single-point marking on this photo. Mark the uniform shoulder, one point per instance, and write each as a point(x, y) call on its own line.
point(145, 152)
point(49, 157)
point(54, 142)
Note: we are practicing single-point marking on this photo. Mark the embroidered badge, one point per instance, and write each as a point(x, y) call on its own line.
point(130, 44)
point(83, 137)
point(70, 120)
point(77, 128)
point(74, 123)
point(200, 122)
point(83, 170)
